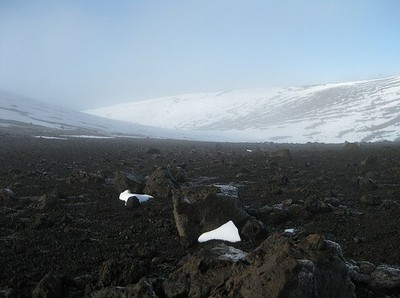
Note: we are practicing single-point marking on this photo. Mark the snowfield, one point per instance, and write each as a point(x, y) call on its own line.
point(353, 111)
point(330, 113)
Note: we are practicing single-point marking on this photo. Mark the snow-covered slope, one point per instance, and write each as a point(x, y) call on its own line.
point(354, 111)
point(17, 112)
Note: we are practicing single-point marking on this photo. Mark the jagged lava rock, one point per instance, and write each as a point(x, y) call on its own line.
point(129, 180)
point(202, 209)
point(161, 182)
point(49, 286)
point(277, 268)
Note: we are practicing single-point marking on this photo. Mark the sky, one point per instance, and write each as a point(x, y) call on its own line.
point(93, 53)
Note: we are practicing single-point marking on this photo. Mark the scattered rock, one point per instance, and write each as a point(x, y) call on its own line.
point(369, 161)
point(254, 229)
point(6, 197)
point(272, 215)
point(79, 176)
point(351, 146)
point(333, 201)
point(48, 286)
point(368, 200)
point(282, 153)
point(121, 273)
point(383, 277)
point(49, 201)
point(279, 179)
point(317, 205)
point(42, 221)
point(366, 184)
point(146, 288)
point(153, 151)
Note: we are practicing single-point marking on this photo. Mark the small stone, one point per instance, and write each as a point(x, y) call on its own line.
point(367, 184)
point(132, 202)
point(48, 286)
point(368, 200)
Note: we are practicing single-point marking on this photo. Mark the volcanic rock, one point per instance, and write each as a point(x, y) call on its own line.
point(6, 197)
point(366, 184)
point(277, 268)
point(369, 200)
point(161, 183)
point(382, 277)
point(272, 215)
point(153, 151)
point(132, 202)
point(202, 209)
point(204, 272)
point(49, 286)
point(254, 229)
point(129, 180)
point(119, 273)
point(79, 176)
point(369, 161)
point(282, 153)
point(316, 205)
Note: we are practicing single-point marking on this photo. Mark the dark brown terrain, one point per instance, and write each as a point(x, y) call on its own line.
point(60, 212)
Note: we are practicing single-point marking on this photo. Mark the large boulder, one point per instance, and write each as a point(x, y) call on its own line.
point(204, 272)
point(128, 180)
point(202, 209)
point(383, 278)
point(117, 273)
point(49, 286)
point(161, 182)
point(314, 267)
point(6, 197)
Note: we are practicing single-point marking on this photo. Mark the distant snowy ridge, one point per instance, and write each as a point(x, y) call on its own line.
point(18, 111)
point(354, 111)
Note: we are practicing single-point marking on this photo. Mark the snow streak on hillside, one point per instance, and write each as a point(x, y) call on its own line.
point(27, 114)
point(354, 111)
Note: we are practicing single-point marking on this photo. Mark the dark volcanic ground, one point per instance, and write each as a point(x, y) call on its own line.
point(87, 224)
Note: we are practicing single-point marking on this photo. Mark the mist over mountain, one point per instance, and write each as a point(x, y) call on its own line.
point(353, 111)
point(331, 113)
point(23, 115)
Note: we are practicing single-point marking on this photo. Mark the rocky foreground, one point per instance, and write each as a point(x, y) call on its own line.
point(315, 220)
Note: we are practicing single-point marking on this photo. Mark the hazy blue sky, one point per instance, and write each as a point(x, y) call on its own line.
point(92, 53)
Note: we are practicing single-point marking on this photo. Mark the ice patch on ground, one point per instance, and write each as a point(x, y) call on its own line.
point(49, 138)
point(226, 232)
point(125, 195)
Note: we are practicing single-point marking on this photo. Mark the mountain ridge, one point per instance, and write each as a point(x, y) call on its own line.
point(366, 110)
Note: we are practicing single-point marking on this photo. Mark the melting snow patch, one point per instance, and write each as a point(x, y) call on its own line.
point(290, 231)
point(124, 196)
point(49, 138)
point(226, 232)
point(88, 137)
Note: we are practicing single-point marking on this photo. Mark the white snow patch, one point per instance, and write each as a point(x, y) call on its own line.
point(49, 138)
point(226, 232)
point(88, 137)
point(290, 231)
point(124, 196)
